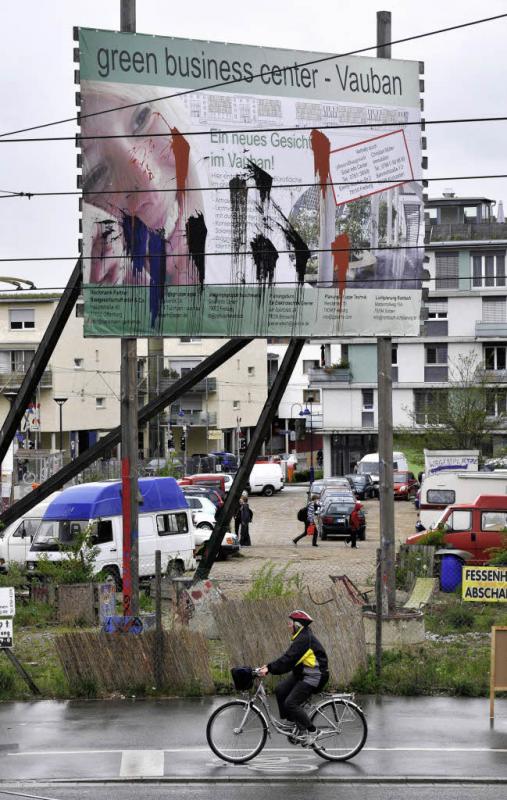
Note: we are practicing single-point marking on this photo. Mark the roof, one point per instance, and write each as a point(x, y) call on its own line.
point(457, 201)
point(94, 500)
point(494, 501)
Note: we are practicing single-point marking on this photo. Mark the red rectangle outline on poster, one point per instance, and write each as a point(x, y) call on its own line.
point(384, 188)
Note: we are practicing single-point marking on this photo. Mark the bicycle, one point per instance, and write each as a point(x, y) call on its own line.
point(237, 731)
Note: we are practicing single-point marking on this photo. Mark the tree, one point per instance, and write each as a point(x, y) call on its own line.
point(466, 414)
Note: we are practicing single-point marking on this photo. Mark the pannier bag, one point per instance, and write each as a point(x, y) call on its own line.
point(242, 677)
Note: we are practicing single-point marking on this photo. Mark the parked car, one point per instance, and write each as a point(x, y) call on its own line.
point(472, 529)
point(16, 539)
point(156, 465)
point(228, 479)
point(265, 479)
point(405, 485)
point(345, 493)
point(209, 480)
point(203, 491)
point(203, 517)
point(363, 486)
point(334, 518)
point(318, 487)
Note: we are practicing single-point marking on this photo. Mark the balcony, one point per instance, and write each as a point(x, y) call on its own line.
point(195, 418)
point(321, 375)
point(493, 330)
point(13, 380)
point(470, 231)
point(200, 387)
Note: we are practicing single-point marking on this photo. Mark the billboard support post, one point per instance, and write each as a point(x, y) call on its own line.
point(387, 587)
point(241, 479)
point(129, 430)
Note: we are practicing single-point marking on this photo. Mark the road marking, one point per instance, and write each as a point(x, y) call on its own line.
point(142, 764)
point(266, 750)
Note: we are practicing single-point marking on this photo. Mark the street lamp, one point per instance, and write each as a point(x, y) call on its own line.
point(60, 402)
point(309, 412)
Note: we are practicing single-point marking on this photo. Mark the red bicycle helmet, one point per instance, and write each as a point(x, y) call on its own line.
point(300, 616)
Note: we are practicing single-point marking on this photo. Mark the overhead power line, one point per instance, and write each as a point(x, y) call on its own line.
point(282, 128)
point(312, 62)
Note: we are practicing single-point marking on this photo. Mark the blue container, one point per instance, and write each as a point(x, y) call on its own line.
point(450, 573)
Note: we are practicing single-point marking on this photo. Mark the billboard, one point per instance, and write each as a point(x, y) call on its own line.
point(232, 190)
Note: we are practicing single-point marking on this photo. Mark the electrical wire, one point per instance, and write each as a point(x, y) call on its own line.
point(312, 62)
point(77, 138)
point(243, 286)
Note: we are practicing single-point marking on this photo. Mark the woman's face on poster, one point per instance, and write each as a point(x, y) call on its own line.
point(122, 174)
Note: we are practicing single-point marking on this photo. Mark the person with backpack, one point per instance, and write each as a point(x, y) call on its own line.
point(245, 516)
point(312, 509)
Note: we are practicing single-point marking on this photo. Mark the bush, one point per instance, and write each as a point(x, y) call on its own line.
point(434, 537)
point(303, 475)
point(34, 614)
point(7, 681)
point(77, 564)
point(270, 582)
point(16, 576)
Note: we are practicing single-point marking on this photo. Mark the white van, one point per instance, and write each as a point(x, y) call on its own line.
point(16, 538)
point(369, 465)
point(449, 488)
point(165, 524)
point(265, 478)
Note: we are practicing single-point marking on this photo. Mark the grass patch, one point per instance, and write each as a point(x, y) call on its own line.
point(269, 581)
point(452, 615)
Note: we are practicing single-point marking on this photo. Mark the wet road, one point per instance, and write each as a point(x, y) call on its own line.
point(430, 739)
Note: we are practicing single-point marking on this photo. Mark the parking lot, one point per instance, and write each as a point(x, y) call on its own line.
point(275, 525)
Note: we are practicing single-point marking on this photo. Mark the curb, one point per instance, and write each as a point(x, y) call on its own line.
point(191, 780)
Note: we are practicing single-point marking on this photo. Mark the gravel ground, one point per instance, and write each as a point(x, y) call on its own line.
point(275, 525)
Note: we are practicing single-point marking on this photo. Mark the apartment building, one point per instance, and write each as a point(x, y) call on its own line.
point(466, 315)
point(82, 384)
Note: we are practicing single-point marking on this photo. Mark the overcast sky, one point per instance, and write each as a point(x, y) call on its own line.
point(466, 75)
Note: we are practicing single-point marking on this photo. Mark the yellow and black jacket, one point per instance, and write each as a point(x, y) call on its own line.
point(305, 657)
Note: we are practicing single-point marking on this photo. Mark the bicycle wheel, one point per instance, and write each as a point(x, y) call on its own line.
point(236, 731)
point(342, 727)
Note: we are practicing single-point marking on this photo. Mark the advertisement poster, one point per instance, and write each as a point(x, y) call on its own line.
point(232, 190)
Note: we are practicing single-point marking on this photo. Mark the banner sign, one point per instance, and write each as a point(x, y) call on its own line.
point(232, 190)
point(7, 602)
point(484, 584)
point(6, 635)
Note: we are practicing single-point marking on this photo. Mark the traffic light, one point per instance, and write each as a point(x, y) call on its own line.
point(170, 443)
point(183, 441)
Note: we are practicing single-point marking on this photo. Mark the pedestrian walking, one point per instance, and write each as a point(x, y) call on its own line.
point(312, 510)
point(355, 524)
point(246, 516)
point(237, 514)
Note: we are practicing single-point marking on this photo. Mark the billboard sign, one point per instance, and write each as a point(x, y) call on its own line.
point(232, 190)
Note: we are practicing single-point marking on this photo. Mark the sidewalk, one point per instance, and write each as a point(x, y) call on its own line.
point(433, 740)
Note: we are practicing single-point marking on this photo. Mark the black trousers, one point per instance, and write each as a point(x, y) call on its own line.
point(302, 535)
point(291, 693)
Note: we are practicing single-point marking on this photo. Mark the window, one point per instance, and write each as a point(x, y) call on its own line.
point(459, 521)
point(311, 395)
point(78, 363)
point(21, 318)
point(430, 406)
point(436, 354)
point(496, 402)
point(441, 497)
point(21, 359)
point(493, 309)
point(168, 524)
point(100, 402)
point(446, 271)
point(27, 529)
point(186, 339)
point(495, 356)
point(488, 270)
point(236, 404)
point(437, 308)
point(104, 533)
point(367, 399)
point(79, 309)
point(309, 364)
point(493, 521)
point(251, 370)
point(394, 355)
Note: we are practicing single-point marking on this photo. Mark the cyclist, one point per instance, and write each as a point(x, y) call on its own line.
point(307, 660)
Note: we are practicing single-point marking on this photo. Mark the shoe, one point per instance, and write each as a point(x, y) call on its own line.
point(308, 738)
point(315, 545)
point(294, 542)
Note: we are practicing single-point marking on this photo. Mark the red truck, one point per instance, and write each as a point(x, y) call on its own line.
point(474, 527)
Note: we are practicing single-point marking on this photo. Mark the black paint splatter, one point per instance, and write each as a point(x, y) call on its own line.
point(294, 240)
point(263, 181)
point(238, 191)
point(196, 231)
point(265, 256)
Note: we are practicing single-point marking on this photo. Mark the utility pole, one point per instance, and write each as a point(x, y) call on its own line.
point(129, 430)
point(385, 413)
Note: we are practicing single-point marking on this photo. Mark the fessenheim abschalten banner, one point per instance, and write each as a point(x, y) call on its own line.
point(231, 190)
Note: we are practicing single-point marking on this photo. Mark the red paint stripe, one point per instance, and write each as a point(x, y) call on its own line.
point(127, 536)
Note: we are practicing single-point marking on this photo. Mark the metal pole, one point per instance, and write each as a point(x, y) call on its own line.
point(158, 653)
point(129, 430)
point(260, 432)
point(385, 410)
point(378, 612)
point(312, 471)
point(60, 405)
